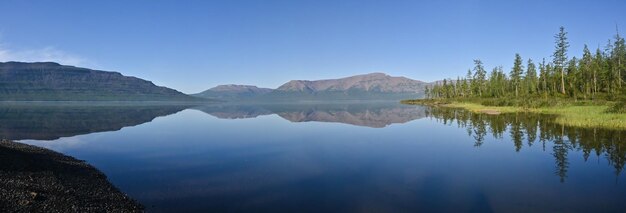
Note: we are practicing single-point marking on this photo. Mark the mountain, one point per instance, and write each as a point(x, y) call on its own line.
point(233, 92)
point(49, 81)
point(373, 82)
point(373, 86)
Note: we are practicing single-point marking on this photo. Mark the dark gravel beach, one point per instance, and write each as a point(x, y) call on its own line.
point(34, 179)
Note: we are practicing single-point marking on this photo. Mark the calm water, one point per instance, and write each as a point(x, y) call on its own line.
point(373, 157)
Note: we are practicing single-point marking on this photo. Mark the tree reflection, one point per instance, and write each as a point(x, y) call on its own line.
point(532, 128)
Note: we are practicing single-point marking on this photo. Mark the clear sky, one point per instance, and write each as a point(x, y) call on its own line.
point(194, 45)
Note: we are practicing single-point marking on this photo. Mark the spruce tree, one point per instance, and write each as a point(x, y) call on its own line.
point(619, 57)
point(587, 74)
point(531, 77)
point(543, 74)
point(516, 74)
point(560, 55)
point(598, 71)
point(479, 77)
point(471, 83)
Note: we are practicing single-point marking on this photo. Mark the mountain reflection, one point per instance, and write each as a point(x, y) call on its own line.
point(529, 129)
point(370, 115)
point(50, 122)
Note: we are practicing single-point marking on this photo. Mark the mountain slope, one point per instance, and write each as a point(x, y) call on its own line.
point(48, 81)
point(373, 86)
point(373, 82)
point(233, 92)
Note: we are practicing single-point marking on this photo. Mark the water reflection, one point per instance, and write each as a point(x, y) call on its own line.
point(191, 161)
point(376, 115)
point(535, 128)
point(53, 121)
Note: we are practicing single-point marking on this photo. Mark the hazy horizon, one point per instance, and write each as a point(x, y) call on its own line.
point(194, 46)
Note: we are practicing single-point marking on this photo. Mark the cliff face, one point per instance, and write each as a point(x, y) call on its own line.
point(48, 81)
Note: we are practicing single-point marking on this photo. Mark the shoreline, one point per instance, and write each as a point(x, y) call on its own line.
point(34, 179)
point(588, 116)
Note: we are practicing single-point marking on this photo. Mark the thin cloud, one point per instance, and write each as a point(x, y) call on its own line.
point(39, 55)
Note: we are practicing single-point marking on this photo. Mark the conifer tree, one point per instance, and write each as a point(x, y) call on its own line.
point(516, 74)
point(543, 74)
point(619, 57)
point(560, 55)
point(531, 78)
point(587, 74)
point(479, 77)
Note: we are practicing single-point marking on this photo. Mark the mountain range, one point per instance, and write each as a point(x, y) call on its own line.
point(49, 81)
point(373, 86)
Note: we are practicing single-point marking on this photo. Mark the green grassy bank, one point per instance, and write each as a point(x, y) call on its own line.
point(578, 114)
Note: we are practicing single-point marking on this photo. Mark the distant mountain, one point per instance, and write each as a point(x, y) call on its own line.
point(374, 86)
point(374, 82)
point(233, 92)
point(48, 81)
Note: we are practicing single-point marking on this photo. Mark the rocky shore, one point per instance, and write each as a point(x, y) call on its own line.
point(34, 179)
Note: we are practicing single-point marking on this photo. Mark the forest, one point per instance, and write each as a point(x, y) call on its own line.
point(596, 77)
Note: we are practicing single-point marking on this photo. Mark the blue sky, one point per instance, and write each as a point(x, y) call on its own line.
point(194, 45)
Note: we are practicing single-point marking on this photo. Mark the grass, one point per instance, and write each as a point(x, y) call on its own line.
point(572, 114)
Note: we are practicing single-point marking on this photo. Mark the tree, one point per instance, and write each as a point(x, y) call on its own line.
point(457, 87)
point(587, 74)
point(470, 82)
point(573, 77)
point(516, 74)
point(598, 71)
point(619, 56)
point(464, 88)
point(543, 75)
point(479, 77)
point(593, 75)
point(494, 84)
point(446, 92)
point(560, 55)
point(611, 75)
point(497, 82)
point(531, 77)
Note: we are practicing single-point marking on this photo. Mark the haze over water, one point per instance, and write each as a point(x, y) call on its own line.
point(357, 157)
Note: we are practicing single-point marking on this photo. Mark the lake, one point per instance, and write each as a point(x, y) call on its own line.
point(332, 157)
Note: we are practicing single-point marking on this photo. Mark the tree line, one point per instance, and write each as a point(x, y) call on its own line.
point(597, 75)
